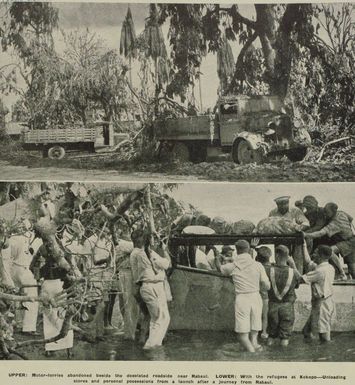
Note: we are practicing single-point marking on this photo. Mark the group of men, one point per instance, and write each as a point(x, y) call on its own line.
point(26, 265)
point(265, 291)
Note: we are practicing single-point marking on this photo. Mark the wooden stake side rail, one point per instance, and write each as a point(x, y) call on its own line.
point(216, 239)
point(65, 135)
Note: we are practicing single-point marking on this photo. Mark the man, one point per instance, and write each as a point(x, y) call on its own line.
point(313, 213)
point(320, 277)
point(296, 216)
point(249, 278)
point(47, 207)
point(99, 247)
point(317, 220)
point(263, 256)
point(148, 271)
point(196, 256)
point(22, 275)
point(227, 254)
point(293, 214)
point(282, 297)
point(339, 231)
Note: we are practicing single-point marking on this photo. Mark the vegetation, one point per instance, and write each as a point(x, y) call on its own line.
point(303, 53)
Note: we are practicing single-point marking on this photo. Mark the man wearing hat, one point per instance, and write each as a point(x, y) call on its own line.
point(249, 277)
point(339, 230)
point(293, 214)
point(313, 213)
point(318, 220)
point(296, 216)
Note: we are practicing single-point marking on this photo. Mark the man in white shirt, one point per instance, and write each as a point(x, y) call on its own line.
point(320, 277)
point(22, 275)
point(249, 277)
point(148, 271)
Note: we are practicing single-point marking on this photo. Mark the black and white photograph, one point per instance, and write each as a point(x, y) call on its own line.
point(139, 91)
point(125, 271)
point(177, 193)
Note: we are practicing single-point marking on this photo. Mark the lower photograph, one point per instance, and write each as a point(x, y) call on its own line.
point(177, 272)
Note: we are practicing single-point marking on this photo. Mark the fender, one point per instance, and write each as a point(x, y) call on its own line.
point(255, 141)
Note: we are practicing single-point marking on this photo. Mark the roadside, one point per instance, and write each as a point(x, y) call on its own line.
point(20, 165)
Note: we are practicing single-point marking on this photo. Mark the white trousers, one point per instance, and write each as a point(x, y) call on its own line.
point(21, 276)
point(53, 319)
point(154, 296)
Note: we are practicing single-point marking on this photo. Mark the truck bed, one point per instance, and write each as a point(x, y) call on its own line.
point(65, 135)
point(187, 128)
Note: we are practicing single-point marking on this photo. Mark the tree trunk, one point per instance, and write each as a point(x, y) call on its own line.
point(277, 43)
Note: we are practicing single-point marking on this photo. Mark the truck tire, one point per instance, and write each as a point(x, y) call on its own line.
point(56, 152)
point(297, 154)
point(243, 153)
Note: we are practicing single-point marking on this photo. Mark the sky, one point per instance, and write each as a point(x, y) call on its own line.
point(254, 201)
point(105, 19)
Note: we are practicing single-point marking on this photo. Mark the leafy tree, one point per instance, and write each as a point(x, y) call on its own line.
point(154, 46)
point(322, 80)
point(225, 63)
point(128, 42)
point(29, 34)
point(195, 27)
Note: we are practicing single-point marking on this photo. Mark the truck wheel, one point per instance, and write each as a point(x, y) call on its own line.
point(243, 153)
point(56, 152)
point(180, 152)
point(297, 154)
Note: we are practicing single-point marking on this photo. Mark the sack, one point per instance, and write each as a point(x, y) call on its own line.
point(243, 227)
point(275, 226)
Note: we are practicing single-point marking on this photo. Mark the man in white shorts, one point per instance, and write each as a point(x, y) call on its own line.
point(249, 277)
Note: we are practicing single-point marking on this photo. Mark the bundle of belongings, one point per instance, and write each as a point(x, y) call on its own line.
point(276, 226)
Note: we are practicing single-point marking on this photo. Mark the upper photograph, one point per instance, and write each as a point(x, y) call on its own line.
point(208, 92)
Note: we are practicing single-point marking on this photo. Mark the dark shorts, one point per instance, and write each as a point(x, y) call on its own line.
point(281, 318)
point(347, 250)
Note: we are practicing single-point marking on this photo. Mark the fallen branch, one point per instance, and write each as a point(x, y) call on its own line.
point(345, 139)
point(124, 206)
point(66, 327)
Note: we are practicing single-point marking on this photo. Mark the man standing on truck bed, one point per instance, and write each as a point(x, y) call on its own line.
point(295, 215)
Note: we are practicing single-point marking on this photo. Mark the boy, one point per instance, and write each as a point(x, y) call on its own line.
point(320, 277)
point(282, 297)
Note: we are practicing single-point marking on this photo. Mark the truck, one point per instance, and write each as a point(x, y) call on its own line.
point(252, 129)
point(54, 142)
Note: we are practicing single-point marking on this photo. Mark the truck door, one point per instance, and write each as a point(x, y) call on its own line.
point(230, 122)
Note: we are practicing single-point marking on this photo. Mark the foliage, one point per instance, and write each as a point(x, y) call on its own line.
point(29, 34)
point(225, 63)
point(128, 42)
point(188, 44)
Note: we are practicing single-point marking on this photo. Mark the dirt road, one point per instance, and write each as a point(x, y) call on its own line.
point(115, 170)
point(20, 173)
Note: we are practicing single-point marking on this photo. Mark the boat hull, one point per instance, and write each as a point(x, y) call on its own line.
point(206, 302)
